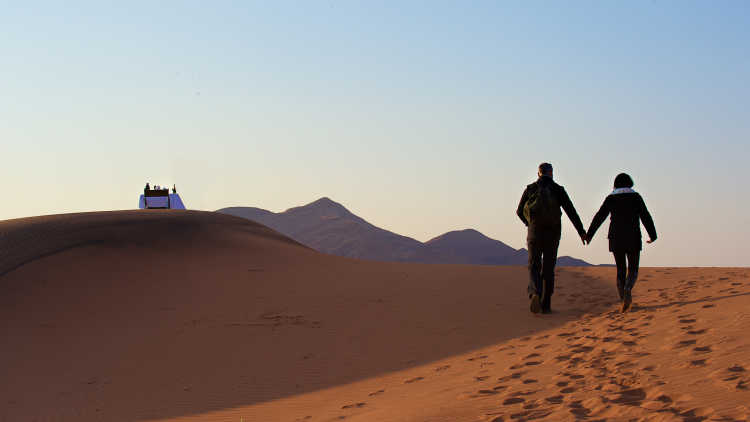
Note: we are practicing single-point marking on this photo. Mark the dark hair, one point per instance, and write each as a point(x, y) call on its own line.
point(623, 181)
point(545, 168)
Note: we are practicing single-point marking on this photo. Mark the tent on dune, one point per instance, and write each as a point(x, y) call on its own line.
point(160, 198)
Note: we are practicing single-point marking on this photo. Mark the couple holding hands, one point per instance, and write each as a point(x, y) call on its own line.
point(539, 210)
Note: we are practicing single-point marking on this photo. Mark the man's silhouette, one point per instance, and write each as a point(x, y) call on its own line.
point(539, 210)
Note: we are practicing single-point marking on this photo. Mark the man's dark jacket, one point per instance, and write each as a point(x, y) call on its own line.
point(627, 210)
point(562, 199)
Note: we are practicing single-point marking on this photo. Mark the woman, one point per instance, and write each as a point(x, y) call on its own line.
point(627, 209)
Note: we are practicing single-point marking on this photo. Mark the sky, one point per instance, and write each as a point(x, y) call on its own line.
point(420, 116)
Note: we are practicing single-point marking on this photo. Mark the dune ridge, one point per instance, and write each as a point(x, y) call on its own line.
point(27, 239)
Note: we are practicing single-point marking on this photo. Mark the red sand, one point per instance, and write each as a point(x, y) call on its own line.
point(169, 315)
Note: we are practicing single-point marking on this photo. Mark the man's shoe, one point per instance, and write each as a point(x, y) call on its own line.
point(546, 305)
point(627, 301)
point(536, 304)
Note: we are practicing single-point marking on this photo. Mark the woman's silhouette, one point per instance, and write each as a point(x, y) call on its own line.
point(627, 209)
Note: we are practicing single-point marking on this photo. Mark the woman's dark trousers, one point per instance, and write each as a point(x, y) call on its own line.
point(627, 273)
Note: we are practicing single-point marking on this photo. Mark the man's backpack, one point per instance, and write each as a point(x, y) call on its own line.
point(542, 207)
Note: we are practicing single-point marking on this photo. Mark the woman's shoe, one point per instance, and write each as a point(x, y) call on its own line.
point(627, 301)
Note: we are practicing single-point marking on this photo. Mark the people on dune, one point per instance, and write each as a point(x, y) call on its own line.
point(539, 210)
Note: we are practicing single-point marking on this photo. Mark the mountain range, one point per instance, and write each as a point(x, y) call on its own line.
point(328, 227)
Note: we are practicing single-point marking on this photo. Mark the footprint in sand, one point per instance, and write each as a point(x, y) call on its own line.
point(376, 393)
point(632, 397)
point(477, 358)
point(442, 368)
point(582, 349)
point(687, 328)
point(513, 400)
point(533, 363)
point(541, 346)
point(533, 355)
point(354, 405)
point(697, 332)
point(412, 380)
point(702, 349)
point(664, 399)
point(524, 393)
point(576, 408)
point(736, 368)
point(530, 406)
point(529, 381)
point(555, 399)
point(515, 375)
point(685, 343)
point(482, 378)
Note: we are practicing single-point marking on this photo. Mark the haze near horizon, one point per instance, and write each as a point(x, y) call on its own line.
point(419, 117)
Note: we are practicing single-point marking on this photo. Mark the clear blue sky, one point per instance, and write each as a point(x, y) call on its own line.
point(421, 117)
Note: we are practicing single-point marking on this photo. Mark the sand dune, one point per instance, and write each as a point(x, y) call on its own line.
point(174, 315)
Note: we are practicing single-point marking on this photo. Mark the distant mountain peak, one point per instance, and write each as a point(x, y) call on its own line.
point(324, 207)
point(324, 202)
point(465, 234)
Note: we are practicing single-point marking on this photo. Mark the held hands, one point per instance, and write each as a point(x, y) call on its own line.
point(586, 239)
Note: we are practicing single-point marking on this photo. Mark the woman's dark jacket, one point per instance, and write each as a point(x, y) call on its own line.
point(627, 210)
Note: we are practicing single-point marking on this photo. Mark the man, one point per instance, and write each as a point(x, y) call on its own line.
point(539, 210)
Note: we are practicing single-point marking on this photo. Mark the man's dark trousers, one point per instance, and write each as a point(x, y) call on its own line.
point(542, 244)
